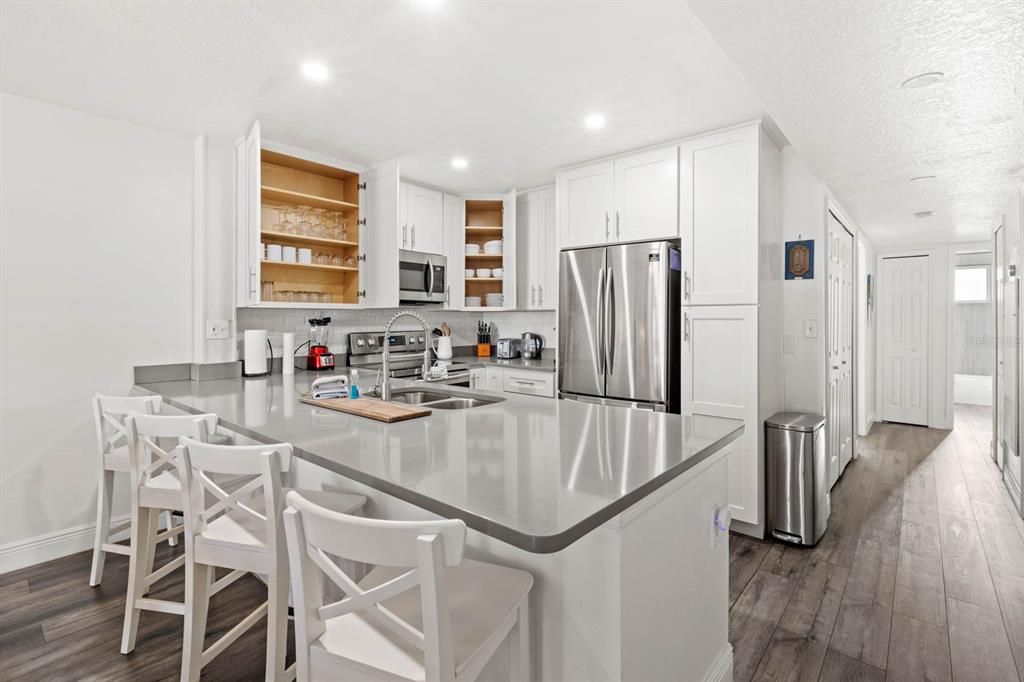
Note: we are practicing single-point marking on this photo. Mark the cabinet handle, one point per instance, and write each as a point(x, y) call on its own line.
point(413, 236)
point(533, 295)
point(607, 233)
point(540, 294)
point(686, 327)
point(617, 230)
point(252, 281)
point(405, 235)
point(686, 286)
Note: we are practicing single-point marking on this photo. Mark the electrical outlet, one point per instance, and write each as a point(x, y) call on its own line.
point(810, 329)
point(216, 329)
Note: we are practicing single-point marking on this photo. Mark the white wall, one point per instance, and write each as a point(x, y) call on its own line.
point(95, 256)
point(804, 203)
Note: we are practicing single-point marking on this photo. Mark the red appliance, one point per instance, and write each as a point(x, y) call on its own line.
point(319, 356)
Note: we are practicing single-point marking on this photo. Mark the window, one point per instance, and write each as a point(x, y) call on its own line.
point(971, 284)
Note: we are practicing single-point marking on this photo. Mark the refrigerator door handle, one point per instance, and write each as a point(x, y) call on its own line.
point(609, 340)
point(600, 320)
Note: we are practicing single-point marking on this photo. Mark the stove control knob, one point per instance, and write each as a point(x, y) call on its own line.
point(419, 340)
point(372, 342)
point(359, 342)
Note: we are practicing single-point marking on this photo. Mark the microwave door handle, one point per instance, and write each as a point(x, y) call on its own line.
point(430, 277)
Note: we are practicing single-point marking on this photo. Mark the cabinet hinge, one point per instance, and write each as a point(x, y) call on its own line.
point(361, 293)
point(362, 221)
point(361, 185)
point(361, 257)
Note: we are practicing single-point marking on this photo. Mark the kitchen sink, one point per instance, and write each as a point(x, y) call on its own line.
point(441, 401)
point(463, 403)
point(417, 397)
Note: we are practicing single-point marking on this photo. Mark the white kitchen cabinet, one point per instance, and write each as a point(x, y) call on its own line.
point(421, 219)
point(538, 254)
point(646, 196)
point(280, 187)
point(528, 382)
point(719, 216)
point(494, 379)
point(488, 218)
point(719, 379)
point(586, 203)
point(454, 251)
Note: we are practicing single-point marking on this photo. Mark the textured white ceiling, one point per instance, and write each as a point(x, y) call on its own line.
point(830, 74)
point(505, 84)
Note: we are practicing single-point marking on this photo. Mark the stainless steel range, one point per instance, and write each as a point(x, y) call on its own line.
point(366, 352)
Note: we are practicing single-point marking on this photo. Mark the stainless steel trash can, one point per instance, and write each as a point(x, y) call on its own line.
point(798, 496)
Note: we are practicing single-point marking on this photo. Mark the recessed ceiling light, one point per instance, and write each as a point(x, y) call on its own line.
point(459, 162)
point(923, 80)
point(314, 71)
point(922, 178)
point(924, 214)
point(429, 4)
point(594, 121)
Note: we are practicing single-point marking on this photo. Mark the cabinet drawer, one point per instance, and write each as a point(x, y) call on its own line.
point(530, 383)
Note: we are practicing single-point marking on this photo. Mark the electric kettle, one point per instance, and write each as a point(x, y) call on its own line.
point(531, 346)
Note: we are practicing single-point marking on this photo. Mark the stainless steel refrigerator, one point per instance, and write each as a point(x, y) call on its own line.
point(618, 325)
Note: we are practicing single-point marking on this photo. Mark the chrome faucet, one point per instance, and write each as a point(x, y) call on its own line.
point(385, 380)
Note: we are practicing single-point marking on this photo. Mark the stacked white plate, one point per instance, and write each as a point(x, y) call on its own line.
point(493, 248)
point(473, 249)
point(494, 300)
point(473, 302)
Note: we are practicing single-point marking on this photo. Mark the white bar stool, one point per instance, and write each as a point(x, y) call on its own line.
point(241, 531)
point(155, 486)
point(111, 441)
point(423, 613)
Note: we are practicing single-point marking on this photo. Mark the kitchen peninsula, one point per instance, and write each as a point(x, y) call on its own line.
point(614, 511)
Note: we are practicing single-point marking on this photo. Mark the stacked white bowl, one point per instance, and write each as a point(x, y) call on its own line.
point(483, 272)
point(472, 249)
point(498, 273)
point(470, 273)
point(493, 248)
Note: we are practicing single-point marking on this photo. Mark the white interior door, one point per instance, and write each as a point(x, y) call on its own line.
point(839, 410)
point(904, 331)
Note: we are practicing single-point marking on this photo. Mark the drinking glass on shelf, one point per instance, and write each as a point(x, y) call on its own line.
point(321, 258)
point(343, 230)
point(350, 261)
point(267, 291)
point(304, 226)
point(335, 260)
point(303, 297)
point(286, 226)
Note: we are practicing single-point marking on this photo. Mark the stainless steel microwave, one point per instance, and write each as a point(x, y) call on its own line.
point(422, 277)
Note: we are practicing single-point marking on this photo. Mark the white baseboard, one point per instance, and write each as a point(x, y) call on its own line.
point(32, 551)
point(721, 669)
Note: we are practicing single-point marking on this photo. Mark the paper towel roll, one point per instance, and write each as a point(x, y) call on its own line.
point(254, 353)
point(288, 353)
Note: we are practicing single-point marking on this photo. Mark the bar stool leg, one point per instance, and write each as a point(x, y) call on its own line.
point(168, 523)
point(104, 493)
point(140, 565)
point(520, 643)
point(277, 622)
point(197, 606)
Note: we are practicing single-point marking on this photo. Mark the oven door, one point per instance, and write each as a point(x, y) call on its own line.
point(422, 277)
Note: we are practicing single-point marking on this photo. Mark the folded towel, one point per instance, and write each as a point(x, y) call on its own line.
point(326, 395)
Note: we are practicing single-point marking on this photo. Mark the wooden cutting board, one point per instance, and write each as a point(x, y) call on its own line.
point(371, 408)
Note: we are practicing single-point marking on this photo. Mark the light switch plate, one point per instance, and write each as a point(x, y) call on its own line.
point(810, 329)
point(216, 329)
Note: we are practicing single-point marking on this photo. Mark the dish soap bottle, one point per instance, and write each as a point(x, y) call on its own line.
point(353, 384)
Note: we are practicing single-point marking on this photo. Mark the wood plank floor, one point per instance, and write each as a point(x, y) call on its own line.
point(53, 626)
point(919, 577)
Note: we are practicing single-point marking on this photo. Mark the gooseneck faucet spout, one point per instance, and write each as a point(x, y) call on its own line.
point(385, 385)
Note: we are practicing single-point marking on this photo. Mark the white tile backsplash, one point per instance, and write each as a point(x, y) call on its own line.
point(505, 323)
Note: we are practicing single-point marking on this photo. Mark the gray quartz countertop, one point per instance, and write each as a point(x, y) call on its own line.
point(541, 365)
point(533, 472)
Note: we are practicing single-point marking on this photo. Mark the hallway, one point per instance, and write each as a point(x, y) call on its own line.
point(920, 575)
